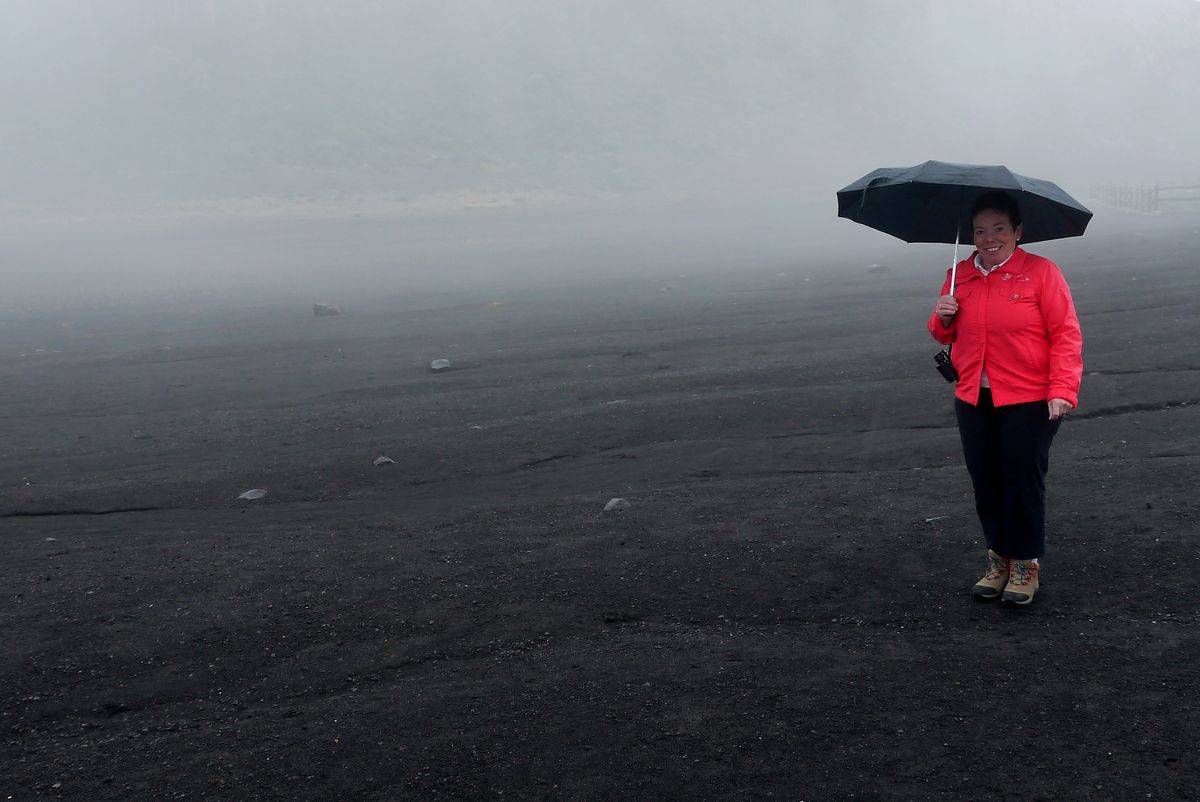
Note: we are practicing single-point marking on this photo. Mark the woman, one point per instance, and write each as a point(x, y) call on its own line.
point(1018, 351)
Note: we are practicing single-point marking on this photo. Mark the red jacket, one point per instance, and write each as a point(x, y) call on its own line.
point(1019, 322)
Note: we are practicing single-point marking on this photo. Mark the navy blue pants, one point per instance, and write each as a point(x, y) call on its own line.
point(1007, 451)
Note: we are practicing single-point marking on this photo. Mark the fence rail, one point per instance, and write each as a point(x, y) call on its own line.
point(1148, 199)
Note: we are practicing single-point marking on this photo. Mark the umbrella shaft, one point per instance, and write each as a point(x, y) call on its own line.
point(954, 264)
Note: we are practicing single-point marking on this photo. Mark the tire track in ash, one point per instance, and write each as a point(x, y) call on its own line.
point(80, 511)
point(1130, 409)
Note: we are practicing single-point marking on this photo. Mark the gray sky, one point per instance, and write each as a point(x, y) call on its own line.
point(136, 109)
point(133, 102)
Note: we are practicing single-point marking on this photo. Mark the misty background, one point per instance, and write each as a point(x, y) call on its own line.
point(334, 149)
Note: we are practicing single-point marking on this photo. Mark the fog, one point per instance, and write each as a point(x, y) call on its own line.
point(320, 148)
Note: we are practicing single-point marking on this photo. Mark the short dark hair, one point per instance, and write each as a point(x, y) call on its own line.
point(998, 201)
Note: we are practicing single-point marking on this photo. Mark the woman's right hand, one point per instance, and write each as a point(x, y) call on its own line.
point(946, 308)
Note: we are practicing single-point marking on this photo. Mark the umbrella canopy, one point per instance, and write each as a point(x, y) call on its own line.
point(931, 202)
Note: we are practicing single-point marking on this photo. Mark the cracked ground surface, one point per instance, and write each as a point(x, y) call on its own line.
point(782, 612)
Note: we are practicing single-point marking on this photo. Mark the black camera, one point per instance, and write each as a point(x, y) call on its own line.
point(945, 366)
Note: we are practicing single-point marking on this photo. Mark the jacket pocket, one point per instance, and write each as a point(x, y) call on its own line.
point(1022, 294)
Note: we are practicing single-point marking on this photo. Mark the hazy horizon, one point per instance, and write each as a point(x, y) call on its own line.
point(472, 123)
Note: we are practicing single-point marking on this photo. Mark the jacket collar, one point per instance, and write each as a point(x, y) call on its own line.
point(1015, 264)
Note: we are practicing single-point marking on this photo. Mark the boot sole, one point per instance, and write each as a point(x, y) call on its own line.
point(1018, 602)
point(985, 597)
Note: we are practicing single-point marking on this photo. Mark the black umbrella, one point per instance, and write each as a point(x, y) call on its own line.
point(931, 202)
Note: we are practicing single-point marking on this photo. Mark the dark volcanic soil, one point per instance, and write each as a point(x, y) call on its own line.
point(783, 611)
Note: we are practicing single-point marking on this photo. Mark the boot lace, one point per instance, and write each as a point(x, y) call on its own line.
point(1023, 571)
point(996, 567)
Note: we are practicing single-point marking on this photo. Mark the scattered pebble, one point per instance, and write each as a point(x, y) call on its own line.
point(617, 504)
point(251, 495)
point(439, 365)
point(383, 461)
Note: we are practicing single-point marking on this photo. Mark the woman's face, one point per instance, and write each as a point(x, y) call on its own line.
point(995, 238)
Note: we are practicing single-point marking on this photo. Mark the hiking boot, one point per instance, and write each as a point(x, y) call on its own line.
point(994, 580)
point(1022, 582)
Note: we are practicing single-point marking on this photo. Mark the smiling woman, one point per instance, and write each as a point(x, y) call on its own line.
point(1019, 359)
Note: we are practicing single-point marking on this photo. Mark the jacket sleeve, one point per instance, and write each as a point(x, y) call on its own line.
point(1066, 338)
point(943, 334)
